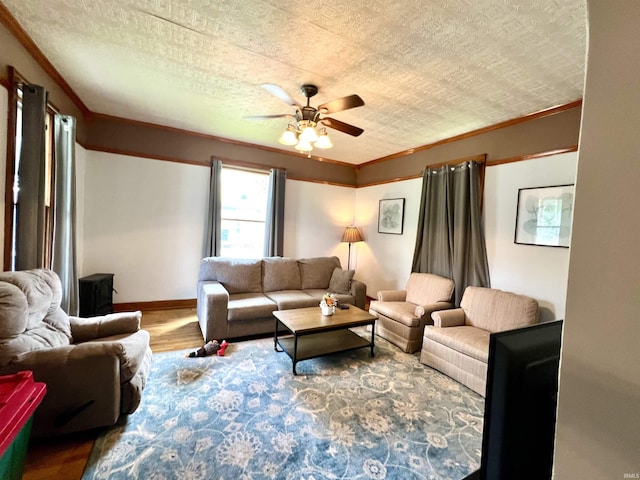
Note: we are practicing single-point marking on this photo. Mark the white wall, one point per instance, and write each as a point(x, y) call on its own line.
point(383, 261)
point(144, 221)
point(598, 428)
point(315, 218)
point(540, 272)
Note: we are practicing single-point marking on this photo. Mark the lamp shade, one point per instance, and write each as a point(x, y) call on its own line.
point(352, 234)
point(289, 137)
point(323, 140)
point(309, 134)
point(303, 145)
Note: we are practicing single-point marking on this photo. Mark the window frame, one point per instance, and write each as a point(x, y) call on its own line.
point(16, 82)
point(237, 218)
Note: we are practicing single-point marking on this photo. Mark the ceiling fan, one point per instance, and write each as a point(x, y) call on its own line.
point(302, 131)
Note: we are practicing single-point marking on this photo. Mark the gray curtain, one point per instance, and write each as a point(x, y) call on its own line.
point(212, 231)
point(450, 238)
point(274, 226)
point(63, 258)
point(30, 220)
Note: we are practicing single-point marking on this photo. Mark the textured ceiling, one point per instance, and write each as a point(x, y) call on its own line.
point(427, 70)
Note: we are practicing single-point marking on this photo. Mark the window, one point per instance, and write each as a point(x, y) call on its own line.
point(244, 212)
point(48, 181)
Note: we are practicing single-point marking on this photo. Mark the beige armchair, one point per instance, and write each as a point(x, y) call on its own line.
point(403, 314)
point(94, 368)
point(457, 343)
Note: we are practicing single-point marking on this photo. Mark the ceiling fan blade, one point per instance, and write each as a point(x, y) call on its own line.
point(266, 117)
point(276, 91)
point(340, 104)
point(343, 127)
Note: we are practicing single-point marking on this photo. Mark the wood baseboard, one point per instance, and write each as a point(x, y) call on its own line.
point(155, 305)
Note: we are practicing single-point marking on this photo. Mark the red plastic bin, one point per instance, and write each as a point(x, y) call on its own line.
point(19, 398)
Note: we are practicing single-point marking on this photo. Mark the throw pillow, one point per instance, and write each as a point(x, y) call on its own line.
point(341, 281)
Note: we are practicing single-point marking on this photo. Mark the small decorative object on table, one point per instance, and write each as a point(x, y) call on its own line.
point(328, 304)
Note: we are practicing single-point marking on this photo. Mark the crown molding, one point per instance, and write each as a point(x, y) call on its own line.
point(532, 156)
point(482, 158)
point(507, 123)
point(96, 116)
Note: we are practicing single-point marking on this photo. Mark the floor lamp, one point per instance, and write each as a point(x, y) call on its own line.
point(351, 235)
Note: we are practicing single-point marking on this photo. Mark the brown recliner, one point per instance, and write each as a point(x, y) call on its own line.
point(94, 368)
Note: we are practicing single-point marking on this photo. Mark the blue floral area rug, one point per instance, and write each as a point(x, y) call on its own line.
point(246, 416)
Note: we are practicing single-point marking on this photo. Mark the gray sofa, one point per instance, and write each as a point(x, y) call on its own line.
point(95, 369)
point(237, 297)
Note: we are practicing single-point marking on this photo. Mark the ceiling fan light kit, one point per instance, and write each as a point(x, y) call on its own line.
point(308, 131)
point(289, 136)
point(323, 140)
point(303, 134)
point(303, 145)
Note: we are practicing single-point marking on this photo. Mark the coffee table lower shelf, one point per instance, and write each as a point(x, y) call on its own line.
point(320, 344)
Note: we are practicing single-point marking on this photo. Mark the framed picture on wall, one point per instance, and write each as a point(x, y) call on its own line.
point(391, 216)
point(544, 216)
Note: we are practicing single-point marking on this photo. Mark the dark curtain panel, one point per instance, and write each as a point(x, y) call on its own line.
point(450, 238)
point(63, 259)
point(274, 226)
point(212, 231)
point(30, 222)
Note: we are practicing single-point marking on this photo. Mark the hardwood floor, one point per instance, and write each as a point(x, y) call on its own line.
point(65, 458)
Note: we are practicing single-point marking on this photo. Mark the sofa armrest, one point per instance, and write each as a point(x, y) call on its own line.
point(83, 387)
point(392, 295)
point(427, 310)
point(448, 318)
point(359, 292)
point(127, 350)
point(212, 306)
point(83, 329)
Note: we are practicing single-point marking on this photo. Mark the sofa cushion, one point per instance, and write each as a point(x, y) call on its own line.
point(316, 272)
point(495, 310)
point(288, 299)
point(340, 281)
point(247, 306)
point(43, 292)
point(280, 274)
point(403, 312)
point(38, 338)
point(470, 341)
point(14, 310)
point(239, 275)
point(427, 288)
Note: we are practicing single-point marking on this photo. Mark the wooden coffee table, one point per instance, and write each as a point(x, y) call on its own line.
point(315, 335)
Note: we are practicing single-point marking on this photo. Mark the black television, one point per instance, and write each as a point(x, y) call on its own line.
point(520, 403)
